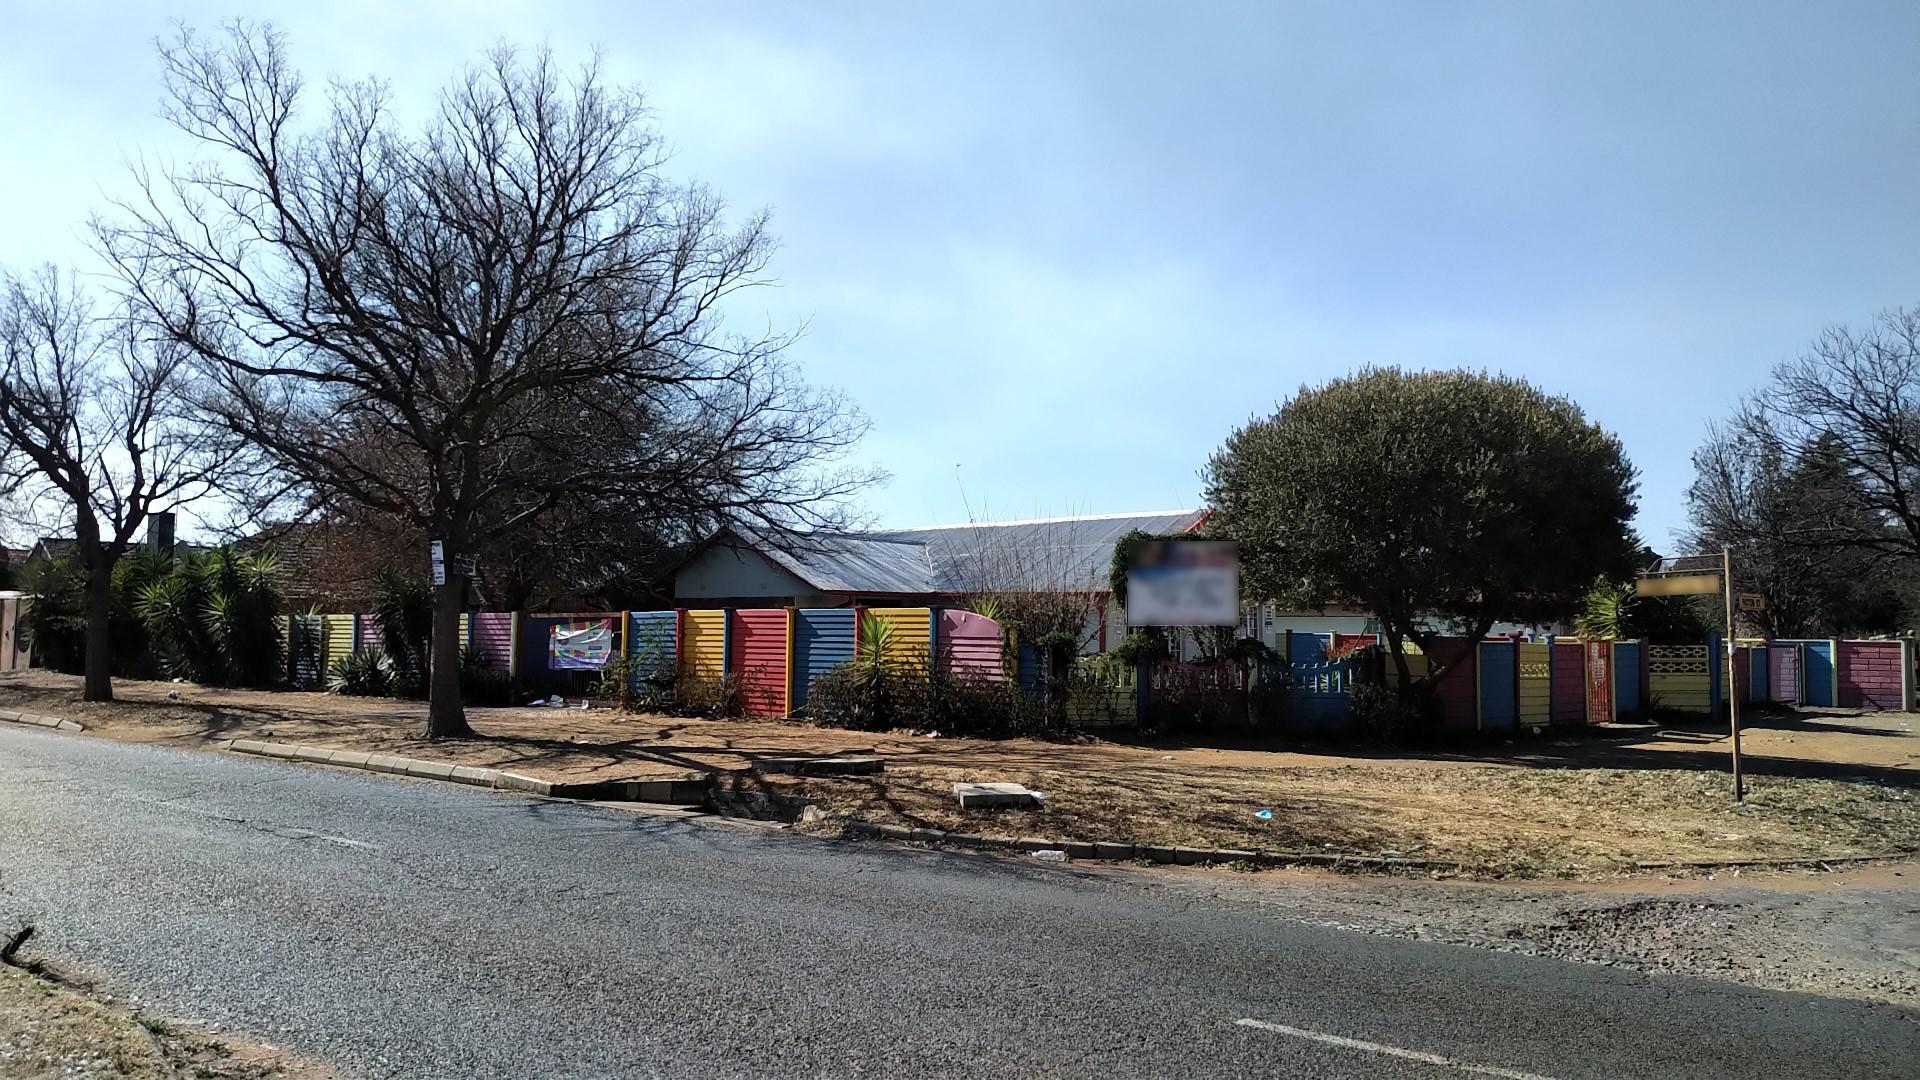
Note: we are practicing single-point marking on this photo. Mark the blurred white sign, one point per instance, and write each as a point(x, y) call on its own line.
point(1184, 583)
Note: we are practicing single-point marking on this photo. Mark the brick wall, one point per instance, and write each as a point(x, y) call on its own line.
point(1870, 674)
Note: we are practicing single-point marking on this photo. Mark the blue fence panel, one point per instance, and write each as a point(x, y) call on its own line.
point(653, 645)
point(1320, 696)
point(1030, 666)
point(1626, 679)
point(1499, 689)
point(1816, 673)
point(1759, 681)
point(822, 641)
point(1304, 648)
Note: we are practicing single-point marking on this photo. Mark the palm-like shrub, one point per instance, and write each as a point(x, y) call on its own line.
point(403, 609)
point(361, 673)
point(213, 618)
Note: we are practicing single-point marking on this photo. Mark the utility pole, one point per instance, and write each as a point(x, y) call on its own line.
point(1733, 684)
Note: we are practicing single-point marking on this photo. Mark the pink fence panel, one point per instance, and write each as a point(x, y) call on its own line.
point(493, 638)
point(971, 644)
point(1870, 674)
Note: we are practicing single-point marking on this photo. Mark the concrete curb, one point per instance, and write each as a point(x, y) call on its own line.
point(678, 792)
point(1775, 864)
point(1180, 856)
point(41, 720)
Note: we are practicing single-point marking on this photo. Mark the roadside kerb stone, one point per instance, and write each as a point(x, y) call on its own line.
point(679, 792)
point(42, 720)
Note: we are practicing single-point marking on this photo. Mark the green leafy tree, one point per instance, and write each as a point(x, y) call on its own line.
point(1438, 500)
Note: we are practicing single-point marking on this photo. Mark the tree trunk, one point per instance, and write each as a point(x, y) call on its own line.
point(1397, 648)
point(99, 606)
point(446, 713)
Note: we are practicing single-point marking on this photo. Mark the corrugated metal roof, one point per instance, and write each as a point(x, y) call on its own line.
point(1066, 554)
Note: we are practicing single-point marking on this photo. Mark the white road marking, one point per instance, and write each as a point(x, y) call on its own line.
point(1391, 1051)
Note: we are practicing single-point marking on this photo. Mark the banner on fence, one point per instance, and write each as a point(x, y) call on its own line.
point(580, 648)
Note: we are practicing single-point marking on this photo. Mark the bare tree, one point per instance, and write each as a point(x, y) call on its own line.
point(1854, 397)
point(465, 325)
point(94, 431)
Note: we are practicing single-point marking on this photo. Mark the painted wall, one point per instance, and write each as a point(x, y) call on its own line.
point(1569, 682)
point(703, 636)
point(910, 645)
point(1536, 678)
point(970, 645)
point(1870, 676)
point(757, 653)
point(1679, 677)
point(1628, 660)
point(493, 637)
point(822, 641)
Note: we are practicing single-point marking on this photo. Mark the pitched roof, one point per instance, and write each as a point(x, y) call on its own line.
point(1041, 555)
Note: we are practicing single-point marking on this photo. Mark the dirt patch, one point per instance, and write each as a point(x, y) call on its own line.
point(1557, 806)
point(53, 1031)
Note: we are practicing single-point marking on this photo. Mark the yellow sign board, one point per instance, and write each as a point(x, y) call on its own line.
point(1752, 601)
point(1679, 585)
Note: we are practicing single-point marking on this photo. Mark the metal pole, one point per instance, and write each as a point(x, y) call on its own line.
point(1733, 684)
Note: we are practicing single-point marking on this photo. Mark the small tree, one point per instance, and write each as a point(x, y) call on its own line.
point(1438, 500)
point(95, 432)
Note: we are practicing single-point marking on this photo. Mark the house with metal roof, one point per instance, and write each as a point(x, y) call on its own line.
point(941, 564)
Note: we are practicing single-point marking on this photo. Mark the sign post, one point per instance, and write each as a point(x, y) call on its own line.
point(1697, 582)
point(1733, 684)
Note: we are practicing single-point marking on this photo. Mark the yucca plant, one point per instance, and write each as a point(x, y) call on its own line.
point(1607, 611)
point(403, 609)
point(361, 673)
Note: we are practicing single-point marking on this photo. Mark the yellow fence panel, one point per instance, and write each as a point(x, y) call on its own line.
point(336, 639)
point(1536, 683)
point(703, 644)
point(910, 642)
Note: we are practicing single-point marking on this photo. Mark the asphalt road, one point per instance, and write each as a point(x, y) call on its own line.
point(403, 928)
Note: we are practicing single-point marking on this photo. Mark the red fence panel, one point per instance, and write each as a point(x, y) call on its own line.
point(757, 653)
point(1569, 682)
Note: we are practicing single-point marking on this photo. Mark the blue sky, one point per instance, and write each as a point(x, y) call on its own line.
point(1068, 246)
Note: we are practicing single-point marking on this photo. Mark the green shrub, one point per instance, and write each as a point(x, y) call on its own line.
point(480, 682)
point(1383, 712)
point(361, 673)
point(403, 610)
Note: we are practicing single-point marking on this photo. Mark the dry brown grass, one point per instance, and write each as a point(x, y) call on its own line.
point(1822, 786)
point(53, 1032)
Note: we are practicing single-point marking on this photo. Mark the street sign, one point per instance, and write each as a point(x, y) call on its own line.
point(438, 553)
point(1752, 601)
point(1678, 585)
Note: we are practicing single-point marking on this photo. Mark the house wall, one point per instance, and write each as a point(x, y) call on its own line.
point(738, 576)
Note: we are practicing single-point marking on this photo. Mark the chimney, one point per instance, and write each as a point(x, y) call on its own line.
point(160, 532)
